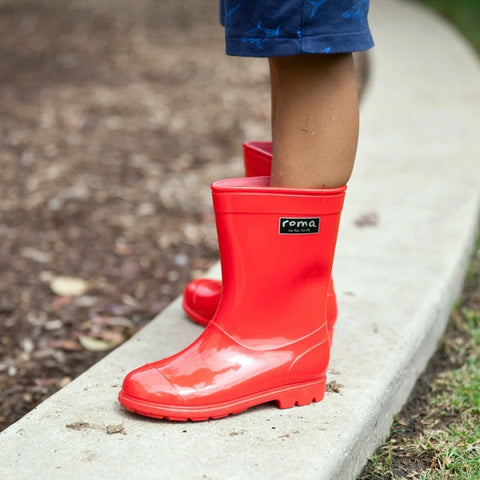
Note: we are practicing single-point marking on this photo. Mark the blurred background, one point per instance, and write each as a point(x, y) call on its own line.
point(115, 117)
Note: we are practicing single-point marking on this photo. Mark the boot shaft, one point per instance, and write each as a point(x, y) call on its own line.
point(277, 247)
point(257, 157)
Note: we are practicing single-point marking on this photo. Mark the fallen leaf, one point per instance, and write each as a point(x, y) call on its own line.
point(401, 421)
point(65, 286)
point(27, 397)
point(36, 255)
point(122, 250)
point(86, 301)
point(86, 325)
point(53, 324)
point(96, 344)
point(111, 336)
point(120, 322)
point(60, 302)
point(46, 382)
point(69, 345)
point(64, 382)
point(130, 301)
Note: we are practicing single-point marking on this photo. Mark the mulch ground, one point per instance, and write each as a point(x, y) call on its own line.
point(115, 118)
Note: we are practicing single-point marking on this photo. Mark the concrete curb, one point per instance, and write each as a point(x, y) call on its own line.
point(417, 170)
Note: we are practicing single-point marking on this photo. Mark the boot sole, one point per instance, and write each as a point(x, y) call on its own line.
point(284, 397)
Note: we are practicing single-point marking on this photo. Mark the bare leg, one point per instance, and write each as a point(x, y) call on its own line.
point(315, 120)
point(274, 94)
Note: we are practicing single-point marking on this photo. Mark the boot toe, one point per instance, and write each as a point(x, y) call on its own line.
point(148, 384)
point(201, 298)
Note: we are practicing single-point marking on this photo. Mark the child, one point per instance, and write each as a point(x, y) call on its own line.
point(269, 339)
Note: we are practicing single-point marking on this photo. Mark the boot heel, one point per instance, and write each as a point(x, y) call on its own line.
point(301, 395)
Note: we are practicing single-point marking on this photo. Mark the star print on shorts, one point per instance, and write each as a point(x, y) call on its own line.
point(271, 28)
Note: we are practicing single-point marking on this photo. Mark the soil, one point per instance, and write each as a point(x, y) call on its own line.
point(116, 116)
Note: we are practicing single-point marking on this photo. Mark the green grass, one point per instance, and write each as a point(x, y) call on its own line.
point(437, 437)
point(446, 442)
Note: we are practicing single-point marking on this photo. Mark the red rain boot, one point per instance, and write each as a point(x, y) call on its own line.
point(268, 340)
point(202, 296)
point(257, 159)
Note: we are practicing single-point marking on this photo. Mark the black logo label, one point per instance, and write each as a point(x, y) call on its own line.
point(299, 226)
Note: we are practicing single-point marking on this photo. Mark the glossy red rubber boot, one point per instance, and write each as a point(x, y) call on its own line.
point(257, 159)
point(268, 340)
point(202, 296)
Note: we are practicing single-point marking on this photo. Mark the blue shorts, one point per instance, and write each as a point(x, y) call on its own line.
point(274, 28)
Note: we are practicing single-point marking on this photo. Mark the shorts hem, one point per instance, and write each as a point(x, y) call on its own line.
point(279, 47)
